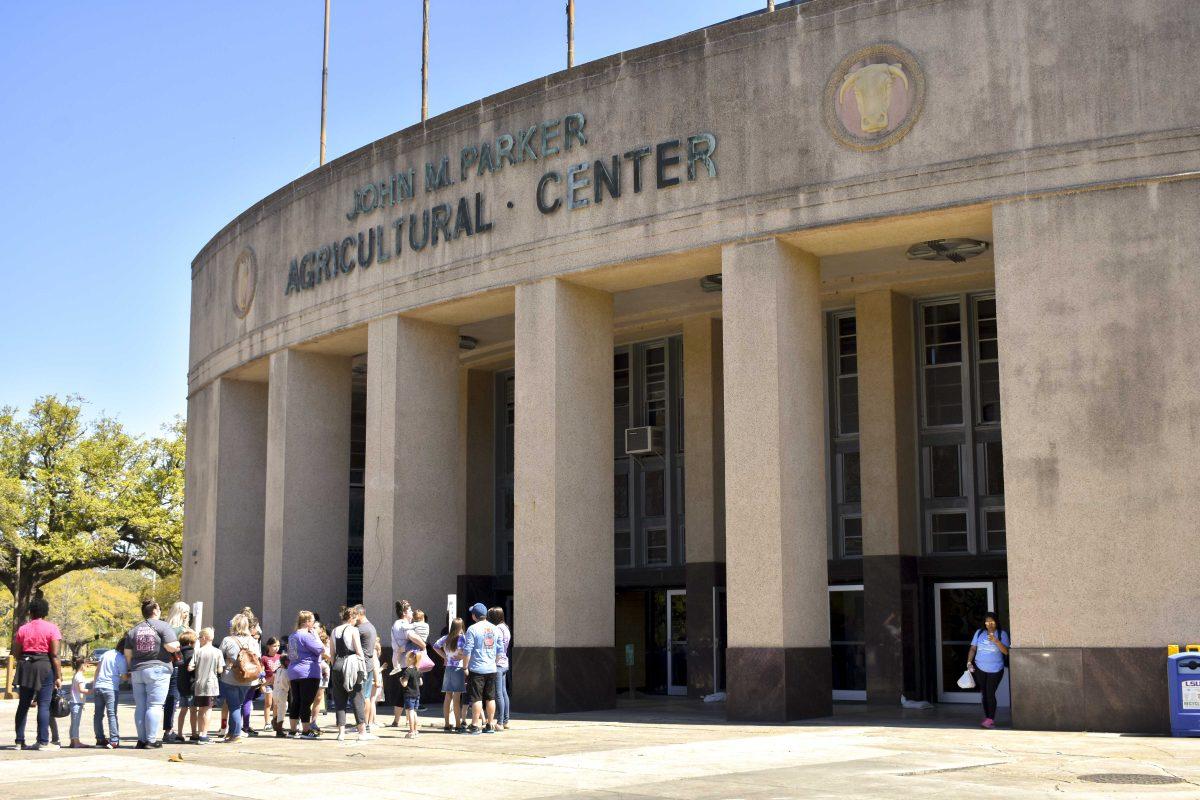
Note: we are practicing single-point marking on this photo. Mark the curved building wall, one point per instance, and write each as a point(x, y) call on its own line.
point(798, 154)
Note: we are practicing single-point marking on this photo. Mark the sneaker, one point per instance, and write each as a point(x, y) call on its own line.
point(142, 745)
point(24, 746)
point(308, 735)
point(52, 746)
point(80, 746)
point(231, 740)
point(367, 737)
point(368, 727)
point(473, 731)
point(488, 729)
point(203, 740)
point(281, 735)
point(156, 745)
point(341, 735)
point(195, 737)
point(109, 746)
point(448, 729)
point(396, 670)
point(222, 733)
point(988, 722)
point(250, 731)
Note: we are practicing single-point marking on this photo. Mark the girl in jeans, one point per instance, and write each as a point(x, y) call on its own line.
point(496, 617)
point(79, 692)
point(985, 659)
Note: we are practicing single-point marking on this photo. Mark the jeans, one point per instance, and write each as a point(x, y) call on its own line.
point(173, 700)
point(149, 693)
point(989, 682)
point(76, 716)
point(106, 706)
point(43, 697)
point(502, 695)
point(234, 696)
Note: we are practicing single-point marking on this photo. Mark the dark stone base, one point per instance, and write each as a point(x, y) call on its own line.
point(777, 684)
point(701, 579)
point(890, 600)
point(1109, 689)
point(557, 680)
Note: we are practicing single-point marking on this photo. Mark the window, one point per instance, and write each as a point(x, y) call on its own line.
point(503, 521)
point(847, 375)
point(657, 551)
point(845, 466)
point(962, 463)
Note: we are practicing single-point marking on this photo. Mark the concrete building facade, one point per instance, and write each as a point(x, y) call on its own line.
point(764, 359)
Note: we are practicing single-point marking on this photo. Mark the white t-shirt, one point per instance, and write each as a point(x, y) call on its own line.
point(78, 687)
point(400, 629)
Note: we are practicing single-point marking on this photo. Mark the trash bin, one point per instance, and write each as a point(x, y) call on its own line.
point(1183, 690)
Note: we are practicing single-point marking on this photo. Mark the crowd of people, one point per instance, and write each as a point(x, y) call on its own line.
point(182, 678)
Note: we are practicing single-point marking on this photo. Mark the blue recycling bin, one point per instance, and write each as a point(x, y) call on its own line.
point(1183, 689)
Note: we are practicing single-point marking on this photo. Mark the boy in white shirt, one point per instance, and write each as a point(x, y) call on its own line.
point(206, 665)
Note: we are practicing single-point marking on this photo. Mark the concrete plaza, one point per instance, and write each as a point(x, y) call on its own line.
point(650, 749)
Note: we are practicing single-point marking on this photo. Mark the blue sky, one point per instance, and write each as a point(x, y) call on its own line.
point(133, 131)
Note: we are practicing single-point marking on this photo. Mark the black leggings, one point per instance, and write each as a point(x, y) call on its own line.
point(989, 682)
point(340, 696)
point(300, 698)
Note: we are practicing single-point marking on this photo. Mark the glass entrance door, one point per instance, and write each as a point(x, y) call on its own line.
point(676, 641)
point(959, 610)
point(848, 641)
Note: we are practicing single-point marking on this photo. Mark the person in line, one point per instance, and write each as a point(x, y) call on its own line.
point(178, 619)
point(106, 690)
point(985, 659)
point(206, 666)
point(400, 639)
point(256, 632)
point(496, 617)
point(243, 671)
point(305, 652)
point(270, 663)
point(80, 689)
point(419, 635)
point(150, 647)
point(280, 692)
point(482, 642)
point(256, 689)
point(347, 675)
point(186, 685)
point(374, 677)
point(320, 705)
point(450, 649)
point(39, 673)
point(410, 682)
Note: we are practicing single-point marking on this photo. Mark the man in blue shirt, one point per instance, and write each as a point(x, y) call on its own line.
point(105, 689)
point(482, 644)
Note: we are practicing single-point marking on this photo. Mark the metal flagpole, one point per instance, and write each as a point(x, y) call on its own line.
point(570, 33)
point(425, 62)
point(324, 80)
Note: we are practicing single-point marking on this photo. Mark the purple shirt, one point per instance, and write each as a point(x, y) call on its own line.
point(304, 655)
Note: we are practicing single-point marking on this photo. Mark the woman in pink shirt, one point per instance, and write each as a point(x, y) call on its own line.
point(39, 674)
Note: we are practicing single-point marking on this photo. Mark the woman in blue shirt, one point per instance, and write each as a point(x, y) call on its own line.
point(989, 648)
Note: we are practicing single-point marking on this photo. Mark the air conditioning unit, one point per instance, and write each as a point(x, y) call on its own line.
point(643, 441)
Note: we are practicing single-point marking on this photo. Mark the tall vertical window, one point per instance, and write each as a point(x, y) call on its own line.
point(962, 465)
point(846, 486)
point(505, 459)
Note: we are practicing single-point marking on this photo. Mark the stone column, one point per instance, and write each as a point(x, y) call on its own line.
point(308, 487)
point(1100, 389)
point(563, 656)
point(776, 540)
point(477, 425)
point(412, 538)
point(225, 489)
point(887, 455)
point(704, 492)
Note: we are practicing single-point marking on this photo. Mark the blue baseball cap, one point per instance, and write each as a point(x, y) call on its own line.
point(479, 610)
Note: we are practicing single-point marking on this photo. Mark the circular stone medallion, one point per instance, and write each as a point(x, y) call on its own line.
point(245, 276)
point(874, 97)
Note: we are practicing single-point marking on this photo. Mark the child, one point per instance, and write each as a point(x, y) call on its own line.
point(79, 692)
point(314, 728)
point(206, 666)
point(410, 681)
point(281, 689)
point(270, 663)
point(105, 691)
point(187, 705)
point(450, 648)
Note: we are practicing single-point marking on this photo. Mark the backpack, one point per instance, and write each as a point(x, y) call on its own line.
point(248, 667)
point(146, 641)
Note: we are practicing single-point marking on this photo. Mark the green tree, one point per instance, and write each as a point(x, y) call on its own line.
point(77, 496)
point(90, 606)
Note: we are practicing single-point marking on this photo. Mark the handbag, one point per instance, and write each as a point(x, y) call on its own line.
point(60, 704)
point(426, 663)
point(967, 681)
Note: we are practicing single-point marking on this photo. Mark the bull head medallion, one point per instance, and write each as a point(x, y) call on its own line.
point(888, 91)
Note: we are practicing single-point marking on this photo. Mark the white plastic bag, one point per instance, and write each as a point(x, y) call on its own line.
point(967, 681)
